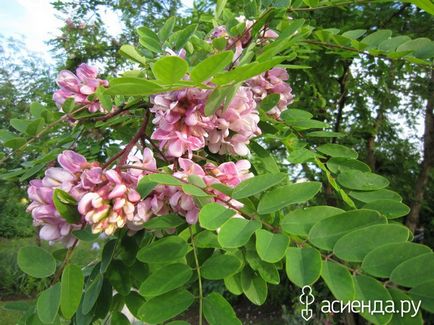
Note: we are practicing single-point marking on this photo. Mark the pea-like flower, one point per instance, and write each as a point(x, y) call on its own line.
point(80, 87)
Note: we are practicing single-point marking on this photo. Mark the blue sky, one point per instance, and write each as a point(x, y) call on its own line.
point(36, 20)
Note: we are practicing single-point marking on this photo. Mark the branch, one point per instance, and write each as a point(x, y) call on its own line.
point(199, 277)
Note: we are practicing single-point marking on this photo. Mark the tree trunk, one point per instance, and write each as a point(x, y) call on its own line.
point(427, 162)
point(370, 146)
point(343, 92)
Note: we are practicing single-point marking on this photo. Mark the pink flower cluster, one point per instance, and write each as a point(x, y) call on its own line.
point(79, 87)
point(272, 82)
point(108, 200)
point(240, 42)
point(182, 126)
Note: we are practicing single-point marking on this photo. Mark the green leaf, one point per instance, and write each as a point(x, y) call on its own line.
point(218, 311)
point(233, 284)
point(20, 125)
point(216, 99)
point(37, 109)
point(294, 114)
point(303, 265)
point(165, 279)
point(91, 294)
point(424, 293)
point(213, 215)
point(290, 194)
point(392, 44)
point(181, 37)
point(220, 266)
point(71, 290)
point(66, 206)
point(245, 72)
point(163, 250)
point(134, 301)
point(354, 34)
point(48, 303)
point(339, 164)
point(391, 209)
point(207, 239)
point(368, 290)
point(145, 187)
point(376, 195)
point(194, 190)
point(325, 134)
point(170, 69)
point(362, 181)
point(268, 162)
point(271, 247)
point(119, 276)
point(133, 87)
point(131, 53)
point(301, 155)
point(414, 271)
point(164, 179)
point(164, 307)
point(36, 261)
point(337, 150)
point(211, 65)
point(164, 222)
point(355, 245)
point(384, 259)
point(85, 234)
point(327, 232)
point(14, 143)
point(422, 48)
point(405, 318)
point(219, 8)
point(149, 39)
point(377, 37)
point(107, 255)
point(257, 185)
point(338, 279)
point(300, 221)
point(269, 102)
point(68, 105)
point(119, 319)
point(254, 287)
point(167, 28)
point(302, 125)
point(236, 232)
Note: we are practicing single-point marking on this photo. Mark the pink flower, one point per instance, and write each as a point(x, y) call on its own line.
point(180, 120)
point(235, 126)
point(272, 82)
point(71, 161)
point(79, 87)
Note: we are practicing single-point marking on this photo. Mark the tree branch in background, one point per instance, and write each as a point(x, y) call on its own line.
point(427, 162)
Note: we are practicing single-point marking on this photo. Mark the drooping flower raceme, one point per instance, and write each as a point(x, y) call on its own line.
point(80, 86)
point(181, 123)
point(108, 200)
point(234, 126)
point(44, 213)
point(182, 126)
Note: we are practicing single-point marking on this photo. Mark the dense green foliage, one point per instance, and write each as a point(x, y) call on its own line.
point(335, 178)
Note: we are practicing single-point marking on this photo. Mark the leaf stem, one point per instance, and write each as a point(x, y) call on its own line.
point(199, 277)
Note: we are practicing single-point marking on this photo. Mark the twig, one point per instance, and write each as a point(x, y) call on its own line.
point(199, 277)
point(123, 154)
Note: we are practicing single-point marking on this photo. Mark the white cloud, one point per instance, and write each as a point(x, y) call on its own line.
point(33, 19)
